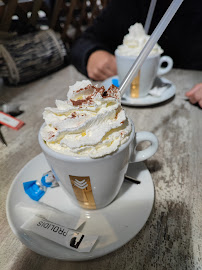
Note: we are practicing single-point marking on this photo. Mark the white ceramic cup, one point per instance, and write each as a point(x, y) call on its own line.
point(94, 183)
point(151, 68)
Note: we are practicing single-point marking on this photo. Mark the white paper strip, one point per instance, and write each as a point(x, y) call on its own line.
point(60, 234)
point(51, 214)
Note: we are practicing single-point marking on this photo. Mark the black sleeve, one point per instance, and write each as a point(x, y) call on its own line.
point(106, 33)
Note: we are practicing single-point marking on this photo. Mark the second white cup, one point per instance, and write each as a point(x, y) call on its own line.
point(151, 68)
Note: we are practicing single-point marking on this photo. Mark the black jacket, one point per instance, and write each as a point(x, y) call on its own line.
point(182, 39)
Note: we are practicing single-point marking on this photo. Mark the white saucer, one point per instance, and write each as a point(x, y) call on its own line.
point(116, 224)
point(149, 99)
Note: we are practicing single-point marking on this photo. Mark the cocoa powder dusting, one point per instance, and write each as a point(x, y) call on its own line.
point(79, 102)
point(85, 88)
point(73, 115)
point(111, 92)
point(50, 135)
point(116, 114)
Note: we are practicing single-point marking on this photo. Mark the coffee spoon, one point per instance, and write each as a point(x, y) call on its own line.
point(133, 180)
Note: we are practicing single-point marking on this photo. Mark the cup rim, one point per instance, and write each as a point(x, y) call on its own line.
point(133, 56)
point(65, 157)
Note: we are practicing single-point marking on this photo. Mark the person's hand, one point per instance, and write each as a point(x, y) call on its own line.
point(101, 65)
point(195, 94)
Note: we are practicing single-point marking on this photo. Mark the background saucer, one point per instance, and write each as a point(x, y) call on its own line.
point(149, 99)
point(116, 224)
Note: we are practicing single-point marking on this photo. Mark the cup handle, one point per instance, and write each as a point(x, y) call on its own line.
point(164, 70)
point(142, 136)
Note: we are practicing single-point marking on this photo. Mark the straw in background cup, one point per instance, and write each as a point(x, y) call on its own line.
point(149, 15)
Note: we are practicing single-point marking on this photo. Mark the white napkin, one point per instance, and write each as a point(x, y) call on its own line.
point(158, 91)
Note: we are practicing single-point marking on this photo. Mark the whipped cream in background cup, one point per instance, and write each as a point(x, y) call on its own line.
point(91, 170)
point(127, 53)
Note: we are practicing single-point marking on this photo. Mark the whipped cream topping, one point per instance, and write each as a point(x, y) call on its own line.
point(135, 41)
point(91, 122)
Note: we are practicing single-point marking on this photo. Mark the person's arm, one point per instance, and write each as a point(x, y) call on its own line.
point(195, 94)
point(93, 52)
